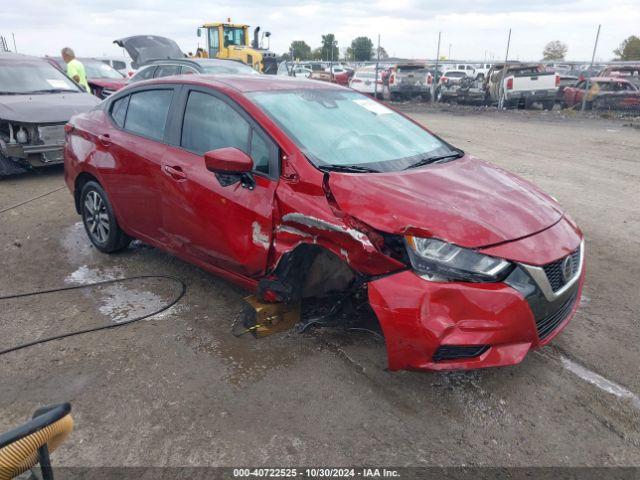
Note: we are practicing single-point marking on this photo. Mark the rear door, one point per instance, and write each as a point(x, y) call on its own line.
point(214, 218)
point(136, 145)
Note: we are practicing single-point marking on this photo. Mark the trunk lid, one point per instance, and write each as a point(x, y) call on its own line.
point(145, 48)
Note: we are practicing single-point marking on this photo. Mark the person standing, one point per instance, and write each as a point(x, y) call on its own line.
point(75, 68)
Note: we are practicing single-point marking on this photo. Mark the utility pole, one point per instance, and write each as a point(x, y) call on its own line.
point(449, 56)
point(15, 49)
point(434, 85)
point(504, 71)
point(587, 86)
point(375, 86)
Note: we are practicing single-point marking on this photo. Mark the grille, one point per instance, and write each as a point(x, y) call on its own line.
point(548, 324)
point(455, 352)
point(554, 271)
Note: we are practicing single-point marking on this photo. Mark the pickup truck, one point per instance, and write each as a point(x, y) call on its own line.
point(407, 81)
point(523, 84)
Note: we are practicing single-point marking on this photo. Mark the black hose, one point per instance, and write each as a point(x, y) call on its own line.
point(30, 200)
point(183, 290)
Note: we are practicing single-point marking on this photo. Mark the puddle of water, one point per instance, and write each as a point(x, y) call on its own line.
point(599, 381)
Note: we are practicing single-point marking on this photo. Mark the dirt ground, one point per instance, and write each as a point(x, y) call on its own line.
point(179, 389)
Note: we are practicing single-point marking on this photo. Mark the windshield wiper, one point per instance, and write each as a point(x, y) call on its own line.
point(436, 159)
point(347, 168)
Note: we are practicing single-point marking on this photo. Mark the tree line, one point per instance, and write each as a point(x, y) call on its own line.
point(629, 49)
point(360, 50)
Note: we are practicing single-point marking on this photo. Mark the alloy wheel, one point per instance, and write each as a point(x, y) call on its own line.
point(96, 217)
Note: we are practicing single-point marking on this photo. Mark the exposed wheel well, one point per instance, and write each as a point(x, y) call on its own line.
point(80, 182)
point(307, 271)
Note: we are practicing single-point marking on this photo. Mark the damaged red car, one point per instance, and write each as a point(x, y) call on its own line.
point(294, 188)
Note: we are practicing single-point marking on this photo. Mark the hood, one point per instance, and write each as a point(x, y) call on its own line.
point(467, 202)
point(144, 48)
point(45, 108)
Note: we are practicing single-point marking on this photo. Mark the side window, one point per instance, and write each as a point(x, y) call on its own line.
point(166, 70)
point(119, 110)
point(188, 70)
point(210, 123)
point(118, 65)
point(147, 113)
point(144, 74)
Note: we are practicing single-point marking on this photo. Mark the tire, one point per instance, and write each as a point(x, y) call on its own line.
point(100, 221)
point(548, 104)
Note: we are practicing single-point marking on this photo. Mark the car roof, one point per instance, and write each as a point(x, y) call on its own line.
point(609, 79)
point(18, 56)
point(192, 61)
point(246, 83)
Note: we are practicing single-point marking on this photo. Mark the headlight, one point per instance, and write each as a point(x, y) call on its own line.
point(441, 261)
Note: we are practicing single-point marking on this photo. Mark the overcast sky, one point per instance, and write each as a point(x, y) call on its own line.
point(409, 28)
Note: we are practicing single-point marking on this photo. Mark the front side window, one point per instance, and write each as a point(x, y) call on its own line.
point(346, 128)
point(210, 123)
point(233, 36)
point(147, 113)
point(144, 74)
point(166, 70)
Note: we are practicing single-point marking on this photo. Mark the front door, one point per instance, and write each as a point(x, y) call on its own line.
point(217, 219)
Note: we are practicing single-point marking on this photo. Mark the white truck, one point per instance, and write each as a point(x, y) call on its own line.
point(522, 85)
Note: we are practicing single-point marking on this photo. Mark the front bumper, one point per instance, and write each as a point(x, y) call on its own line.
point(424, 321)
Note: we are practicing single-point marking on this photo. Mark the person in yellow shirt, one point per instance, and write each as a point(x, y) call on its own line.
point(75, 69)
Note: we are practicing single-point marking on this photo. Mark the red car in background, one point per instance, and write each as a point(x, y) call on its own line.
point(295, 188)
point(603, 93)
point(103, 79)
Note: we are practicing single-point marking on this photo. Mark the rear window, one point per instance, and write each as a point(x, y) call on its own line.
point(144, 74)
point(166, 70)
point(119, 110)
point(147, 113)
point(118, 65)
point(455, 74)
point(366, 74)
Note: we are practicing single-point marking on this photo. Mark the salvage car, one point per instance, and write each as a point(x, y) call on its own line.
point(449, 85)
point(407, 80)
point(156, 57)
point(294, 188)
point(603, 93)
point(364, 81)
point(36, 100)
point(103, 80)
point(522, 85)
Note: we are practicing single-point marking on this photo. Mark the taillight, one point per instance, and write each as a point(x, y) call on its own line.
point(510, 83)
point(68, 128)
point(581, 78)
point(429, 79)
point(557, 80)
point(356, 80)
point(392, 79)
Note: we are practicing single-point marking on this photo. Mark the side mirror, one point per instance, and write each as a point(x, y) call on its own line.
point(228, 160)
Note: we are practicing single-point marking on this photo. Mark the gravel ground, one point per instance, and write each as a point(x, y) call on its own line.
point(178, 389)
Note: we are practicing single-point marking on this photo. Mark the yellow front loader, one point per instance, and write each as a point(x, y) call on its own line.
point(231, 41)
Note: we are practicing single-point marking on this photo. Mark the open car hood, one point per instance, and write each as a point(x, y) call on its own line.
point(45, 108)
point(467, 202)
point(144, 48)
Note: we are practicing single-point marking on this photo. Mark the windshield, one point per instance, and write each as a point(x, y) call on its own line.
point(230, 69)
point(101, 70)
point(33, 77)
point(335, 127)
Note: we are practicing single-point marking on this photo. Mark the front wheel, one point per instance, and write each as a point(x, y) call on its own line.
point(99, 220)
point(548, 104)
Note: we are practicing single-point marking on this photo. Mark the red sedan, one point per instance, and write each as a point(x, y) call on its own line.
point(292, 188)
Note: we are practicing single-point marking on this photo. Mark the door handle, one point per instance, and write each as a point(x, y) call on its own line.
point(104, 139)
point(174, 172)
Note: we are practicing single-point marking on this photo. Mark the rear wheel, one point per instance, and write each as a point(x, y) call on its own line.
point(100, 221)
point(548, 104)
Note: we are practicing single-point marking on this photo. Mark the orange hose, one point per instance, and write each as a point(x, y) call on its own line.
point(21, 455)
